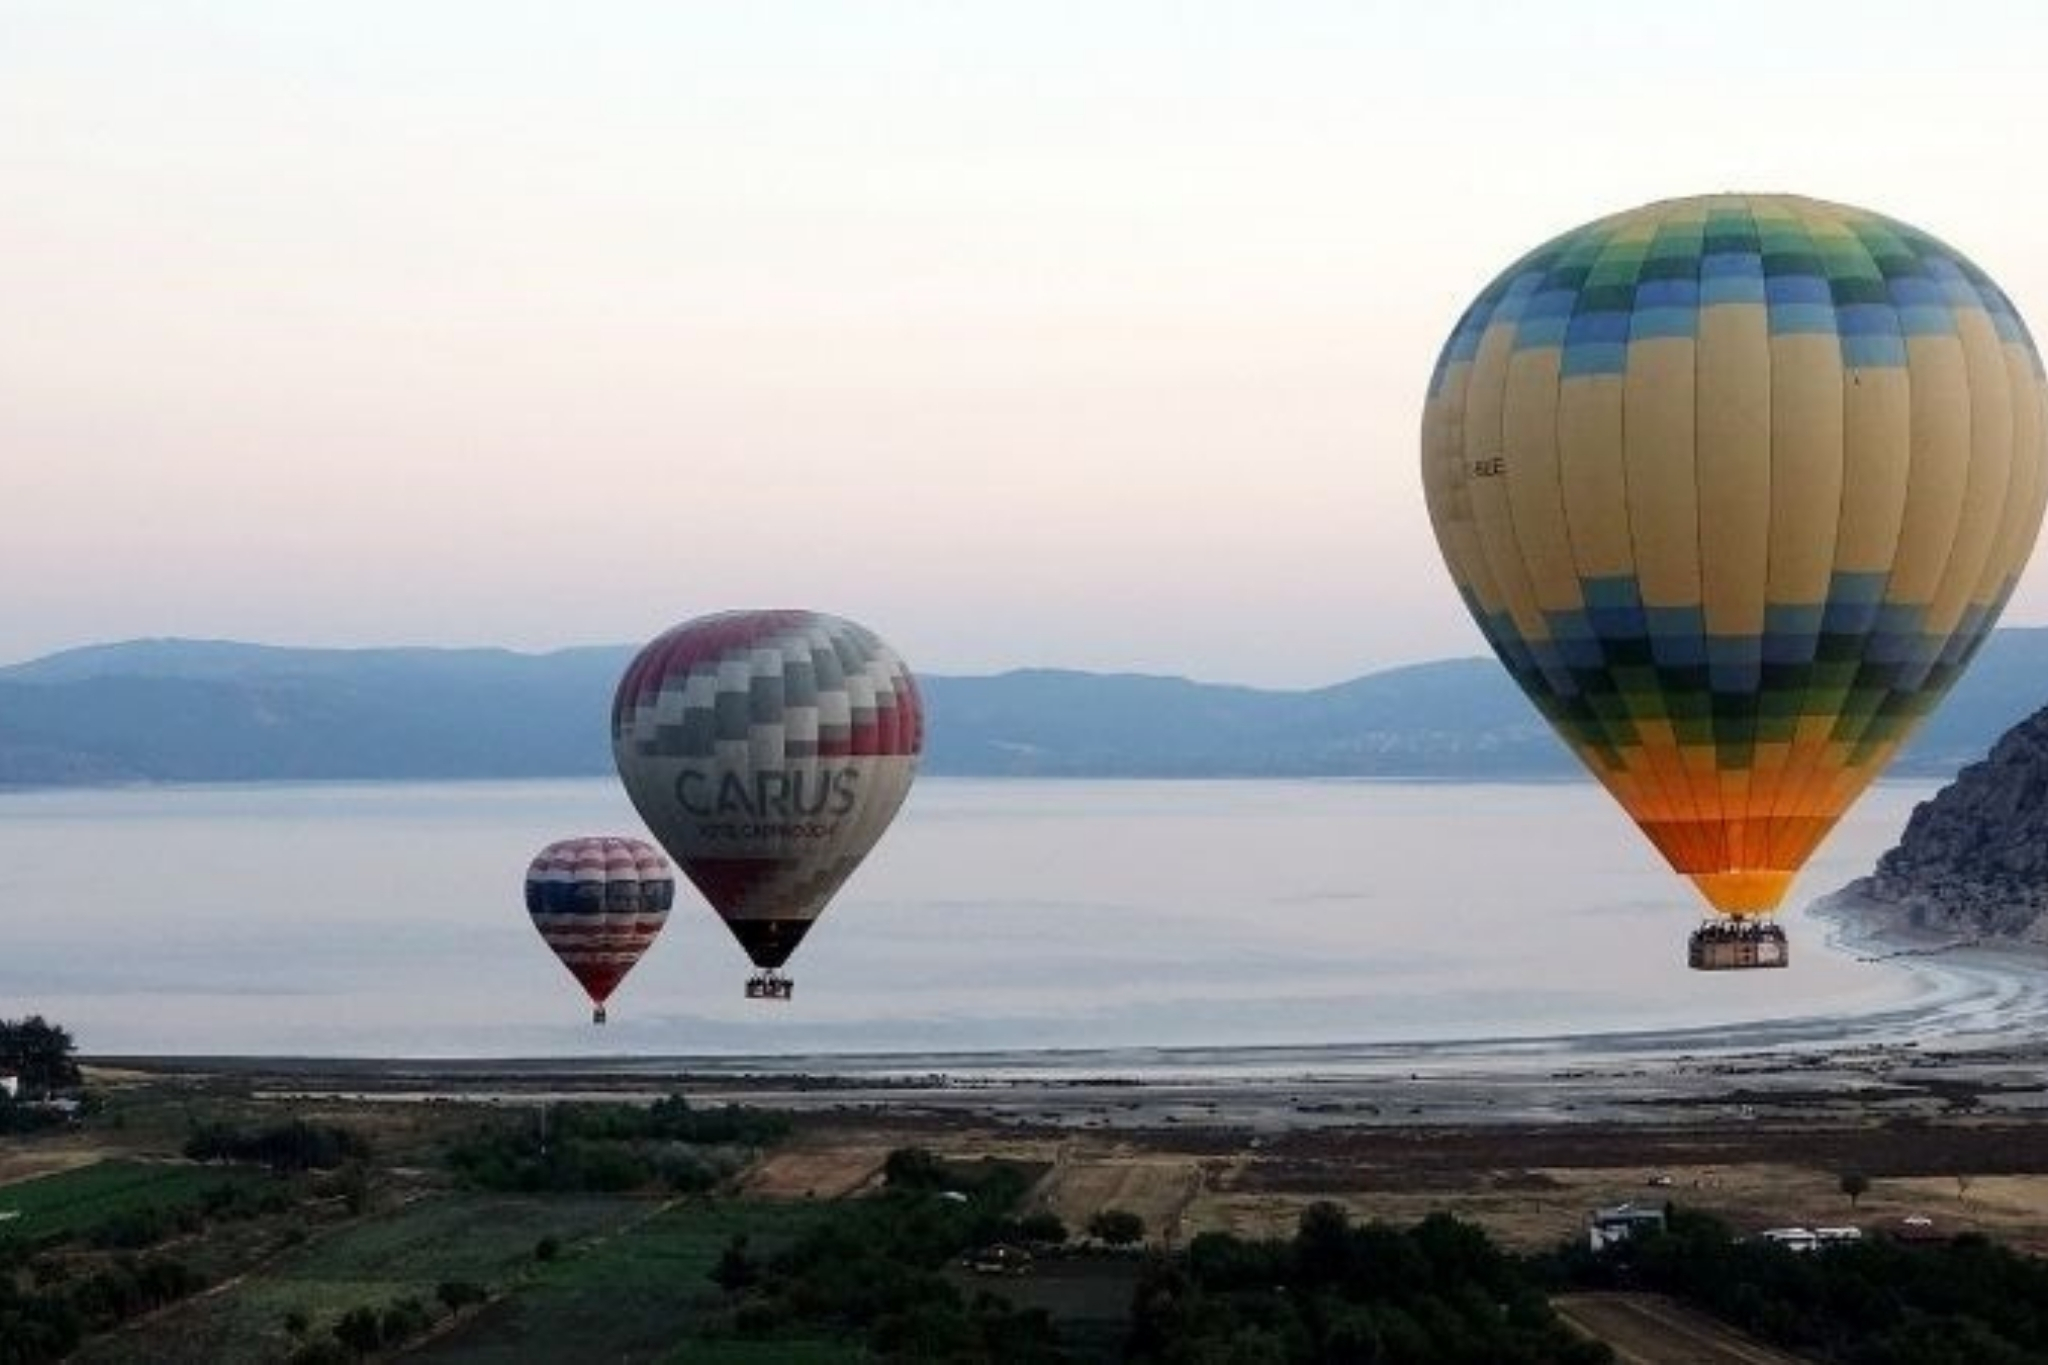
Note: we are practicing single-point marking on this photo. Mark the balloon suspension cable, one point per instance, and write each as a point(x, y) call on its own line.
point(769, 984)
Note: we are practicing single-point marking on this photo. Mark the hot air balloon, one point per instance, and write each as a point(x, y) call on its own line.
point(767, 751)
point(1735, 487)
point(599, 902)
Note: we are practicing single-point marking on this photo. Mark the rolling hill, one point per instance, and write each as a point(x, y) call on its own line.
point(219, 711)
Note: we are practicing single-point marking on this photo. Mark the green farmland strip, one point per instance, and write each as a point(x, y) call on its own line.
point(406, 1253)
point(642, 1296)
point(72, 1202)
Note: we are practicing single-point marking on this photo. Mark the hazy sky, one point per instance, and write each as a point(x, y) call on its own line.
point(1090, 334)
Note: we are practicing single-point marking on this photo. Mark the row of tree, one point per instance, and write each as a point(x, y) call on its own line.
point(614, 1148)
point(873, 1271)
point(366, 1330)
point(1338, 1291)
point(50, 1320)
point(294, 1145)
point(1875, 1302)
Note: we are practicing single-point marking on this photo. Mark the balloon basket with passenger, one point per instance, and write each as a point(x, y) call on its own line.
point(770, 985)
point(1738, 945)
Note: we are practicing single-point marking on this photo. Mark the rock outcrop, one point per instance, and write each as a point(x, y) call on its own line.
point(1974, 860)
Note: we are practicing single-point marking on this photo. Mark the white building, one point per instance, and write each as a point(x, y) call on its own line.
point(1617, 1224)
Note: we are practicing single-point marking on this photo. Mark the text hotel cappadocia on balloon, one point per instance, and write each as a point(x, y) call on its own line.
point(795, 799)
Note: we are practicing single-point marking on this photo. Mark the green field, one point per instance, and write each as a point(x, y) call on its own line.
point(486, 1239)
point(73, 1202)
point(640, 1296)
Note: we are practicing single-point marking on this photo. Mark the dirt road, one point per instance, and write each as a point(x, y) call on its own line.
point(1648, 1329)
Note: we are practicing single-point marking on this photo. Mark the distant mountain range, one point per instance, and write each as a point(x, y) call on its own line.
point(217, 711)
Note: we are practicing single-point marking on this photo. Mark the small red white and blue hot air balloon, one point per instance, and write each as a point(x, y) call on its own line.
point(767, 751)
point(599, 902)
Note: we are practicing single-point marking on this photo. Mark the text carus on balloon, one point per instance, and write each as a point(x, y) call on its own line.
point(786, 795)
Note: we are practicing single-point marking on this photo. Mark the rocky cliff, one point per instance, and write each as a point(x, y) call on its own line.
point(1973, 861)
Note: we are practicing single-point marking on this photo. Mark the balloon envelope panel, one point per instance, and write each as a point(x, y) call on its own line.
point(767, 751)
point(599, 902)
point(1735, 486)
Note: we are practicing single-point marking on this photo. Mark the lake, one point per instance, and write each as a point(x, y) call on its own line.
point(387, 919)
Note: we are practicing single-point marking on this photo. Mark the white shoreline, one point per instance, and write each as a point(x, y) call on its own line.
point(1981, 994)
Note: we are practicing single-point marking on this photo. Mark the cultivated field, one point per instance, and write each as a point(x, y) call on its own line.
point(90, 1196)
point(406, 1252)
point(637, 1294)
point(630, 1278)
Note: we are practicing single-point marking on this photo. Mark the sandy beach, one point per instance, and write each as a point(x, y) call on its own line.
point(1973, 1038)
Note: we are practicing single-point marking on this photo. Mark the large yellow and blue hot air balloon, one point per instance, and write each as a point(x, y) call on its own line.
point(1735, 486)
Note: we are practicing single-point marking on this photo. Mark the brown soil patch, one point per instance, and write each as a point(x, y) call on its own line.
point(2012, 1208)
point(1158, 1187)
point(1538, 1209)
point(47, 1158)
point(1530, 1187)
point(832, 1161)
point(810, 1169)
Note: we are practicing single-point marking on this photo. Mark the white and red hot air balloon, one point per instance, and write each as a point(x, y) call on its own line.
point(599, 902)
point(767, 751)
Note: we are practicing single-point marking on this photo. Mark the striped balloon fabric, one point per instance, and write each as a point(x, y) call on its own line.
point(767, 751)
point(1736, 486)
point(599, 902)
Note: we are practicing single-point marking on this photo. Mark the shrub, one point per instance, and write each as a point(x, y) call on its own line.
point(361, 1330)
point(1042, 1226)
point(913, 1168)
point(294, 1146)
point(1117, 1227)
point(404, 1320)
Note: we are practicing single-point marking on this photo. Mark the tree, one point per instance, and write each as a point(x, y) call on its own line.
point(39, 1053)
point(1322, 1244)
point(1118, 1227)
point(913, 1168)
point(1855, 1184)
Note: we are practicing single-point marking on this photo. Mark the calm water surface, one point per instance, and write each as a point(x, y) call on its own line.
point(387, 919)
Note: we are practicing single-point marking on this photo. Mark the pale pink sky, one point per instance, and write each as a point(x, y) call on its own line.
point(1041, 333)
